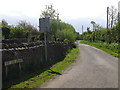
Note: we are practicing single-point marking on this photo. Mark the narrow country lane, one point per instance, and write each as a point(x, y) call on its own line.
point(92, 69)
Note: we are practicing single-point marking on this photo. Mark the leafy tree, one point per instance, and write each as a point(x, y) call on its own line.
point(112, 16)
point(5, 29)
point(50, 12)
point(18, 32)
point(69, 35)
point(62, 31)
point(93, 23)
point(4, 23)
point(58, 30)
point(33, 32)
point(26, 25)
point(98, 27)
point(104, 35)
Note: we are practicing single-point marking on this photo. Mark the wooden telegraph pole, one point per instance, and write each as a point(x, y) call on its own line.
point(119, 11)
point(118, 16)
point(107, 16)
point(82, 31)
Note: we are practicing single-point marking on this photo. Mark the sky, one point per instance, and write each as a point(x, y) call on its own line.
point(74, 12)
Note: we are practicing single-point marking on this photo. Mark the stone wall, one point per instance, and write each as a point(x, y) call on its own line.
point(21, 57)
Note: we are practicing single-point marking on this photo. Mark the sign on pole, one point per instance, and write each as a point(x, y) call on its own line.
point(44, 24)
point(44, 27)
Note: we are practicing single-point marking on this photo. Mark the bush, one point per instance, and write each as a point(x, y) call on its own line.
point(104, 35)
point(6, 31)
point(17, 32)
point(61, 31)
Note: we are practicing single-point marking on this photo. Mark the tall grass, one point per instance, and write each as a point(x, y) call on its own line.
point(111, 48)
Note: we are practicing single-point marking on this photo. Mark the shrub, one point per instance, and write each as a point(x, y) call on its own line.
point(6, 31)
point(17, 32)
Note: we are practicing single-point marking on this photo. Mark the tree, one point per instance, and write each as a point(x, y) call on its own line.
point(5, 29)
point(88, 28)
point(59, 31)
point(93, 23)
point(98, 27)
point(112, 16)
point(50, 12)
point(4, 23)
point(26, 25)
point(18, 32)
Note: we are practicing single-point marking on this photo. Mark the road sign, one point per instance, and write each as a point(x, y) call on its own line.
point(44, 27)
point(44, 24)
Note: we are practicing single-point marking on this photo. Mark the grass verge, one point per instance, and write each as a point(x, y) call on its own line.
point(56, 69)
point(100, 45)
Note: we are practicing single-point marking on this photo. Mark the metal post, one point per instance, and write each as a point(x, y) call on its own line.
point(45, 46)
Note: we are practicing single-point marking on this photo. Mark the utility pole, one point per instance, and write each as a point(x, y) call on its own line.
point(82, 29)
point(118, 11)
point(107, 16)
point(118, 16)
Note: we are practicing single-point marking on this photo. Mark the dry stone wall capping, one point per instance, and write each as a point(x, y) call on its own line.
point(21, 57)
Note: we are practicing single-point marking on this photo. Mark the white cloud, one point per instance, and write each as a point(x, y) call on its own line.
point(68, 9)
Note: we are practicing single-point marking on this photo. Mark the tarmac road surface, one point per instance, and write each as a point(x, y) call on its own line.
point(93, 69)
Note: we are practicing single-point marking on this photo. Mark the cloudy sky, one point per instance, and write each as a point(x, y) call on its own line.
point(75, 12)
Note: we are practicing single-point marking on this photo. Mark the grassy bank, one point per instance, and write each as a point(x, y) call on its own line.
point(109, 48)
point(56, 69)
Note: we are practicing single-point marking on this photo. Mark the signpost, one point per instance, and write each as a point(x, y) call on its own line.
point(82, 31)
point(44, 27)
point(44, 24)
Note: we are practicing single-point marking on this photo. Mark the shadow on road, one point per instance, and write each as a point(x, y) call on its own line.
point(54, 72)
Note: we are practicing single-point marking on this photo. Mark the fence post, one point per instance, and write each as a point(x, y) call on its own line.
point(45, 46)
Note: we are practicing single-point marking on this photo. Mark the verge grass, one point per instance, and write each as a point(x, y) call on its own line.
point(112, 48)
point(56, 69)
